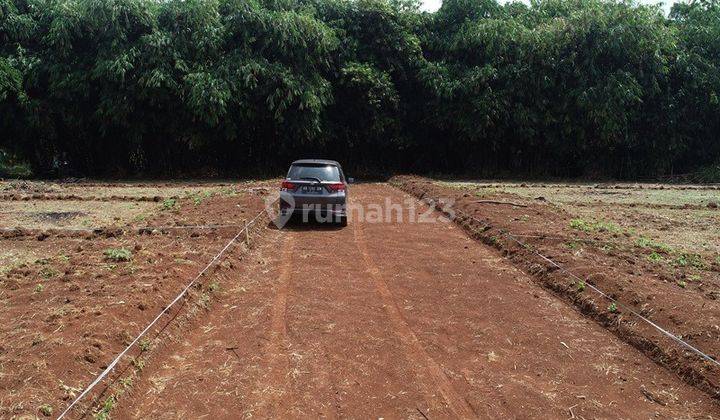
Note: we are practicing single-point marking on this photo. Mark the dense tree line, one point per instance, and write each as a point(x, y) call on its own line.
point(240, 87)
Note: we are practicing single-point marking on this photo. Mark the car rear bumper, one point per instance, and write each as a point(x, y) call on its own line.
point(294, 203)
point(320, 210)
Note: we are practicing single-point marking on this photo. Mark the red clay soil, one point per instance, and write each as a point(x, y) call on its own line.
point(58, 336)
point(391, 319)
point(609, 261)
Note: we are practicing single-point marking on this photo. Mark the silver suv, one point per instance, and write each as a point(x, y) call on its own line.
point(315, 187)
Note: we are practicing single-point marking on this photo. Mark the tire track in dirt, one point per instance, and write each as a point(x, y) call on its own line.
point(346, 359)
point(415, 349)
point(275, 384)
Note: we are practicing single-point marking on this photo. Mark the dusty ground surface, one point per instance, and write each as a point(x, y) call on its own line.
point(45, 205)
point(676, 289)
point(68, 308)
point(684, 217)
point(412, 320)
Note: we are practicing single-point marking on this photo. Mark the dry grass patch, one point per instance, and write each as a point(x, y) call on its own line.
point(43, 214)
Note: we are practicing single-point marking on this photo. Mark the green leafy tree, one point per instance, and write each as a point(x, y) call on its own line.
point(237, 87)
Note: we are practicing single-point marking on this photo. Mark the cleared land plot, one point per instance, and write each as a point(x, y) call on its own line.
point(119, 190)
point(676, 288)
point(382, 318)
point(684, 217)
point(39, 205)
point(389, 319)
point(70, 303)
point(48, 214)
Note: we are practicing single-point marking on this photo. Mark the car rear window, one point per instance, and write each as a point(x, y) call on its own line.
point(321, 172)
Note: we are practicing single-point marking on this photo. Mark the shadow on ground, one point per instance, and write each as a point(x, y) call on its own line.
point(296, 223)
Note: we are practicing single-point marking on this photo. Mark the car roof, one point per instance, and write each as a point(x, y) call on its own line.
point(315, 162)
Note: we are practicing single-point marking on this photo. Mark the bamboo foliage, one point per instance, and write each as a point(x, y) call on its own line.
point(237, 87)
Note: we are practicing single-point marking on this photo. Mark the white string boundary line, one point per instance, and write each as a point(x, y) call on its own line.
point(177, 298)
point(601, 293)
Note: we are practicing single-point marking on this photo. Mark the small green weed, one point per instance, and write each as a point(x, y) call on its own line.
point(169, 204)
point(118, 254)
point(126, 382)
point(581, 286)
point(590, 226)
point(613, 307)
point(572, 245)
point(138, 364)
point(657, 246)
point(213, 286)
point(39, 288)
point(603, 226)
point(104, 413)
point(204, 300)
point(644, 242)
point(144, 344)
point(580, 224)
point(682, 284)
point(46, 410)
point(655, 257)
point(688, 259)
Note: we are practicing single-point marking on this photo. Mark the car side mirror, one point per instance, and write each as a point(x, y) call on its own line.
point(351, 180)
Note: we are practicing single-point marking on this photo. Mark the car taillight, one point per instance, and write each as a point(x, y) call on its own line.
point(286, 185)
point(337, 187)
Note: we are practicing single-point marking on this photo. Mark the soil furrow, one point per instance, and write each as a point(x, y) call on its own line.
point(274, 385)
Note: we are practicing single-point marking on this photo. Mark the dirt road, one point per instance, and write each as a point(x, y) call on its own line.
point(398, 320)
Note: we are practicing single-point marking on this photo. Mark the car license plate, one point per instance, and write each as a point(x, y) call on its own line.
point(311, 189)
